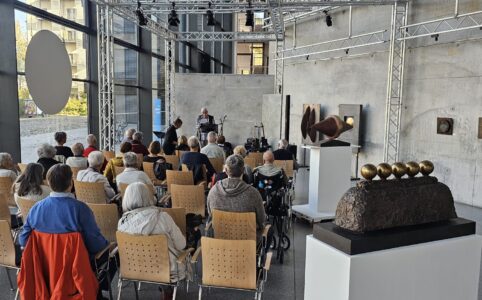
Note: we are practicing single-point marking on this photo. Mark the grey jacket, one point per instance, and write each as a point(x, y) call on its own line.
point(234, 195)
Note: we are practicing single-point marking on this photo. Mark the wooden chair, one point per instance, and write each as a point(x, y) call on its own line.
point(190, 197)
point(185, 168)
point(178, 215)
point(5, 210)
point(22, 167)
point(286, 165)
point(75, 171)
point(7, 252)
point(148, 168)
point(90, 192)
point(234, 225)
point(146, 259)
point(122, 188)
point(140, 160)
point(108, 155)
point(118, 170)
point(231, 264)
point(173, 160)
point(107, 217)
point(218, 164)
point(180, 153)
point(178, 177)
point(249, 161)
point(24, 205)
point(6, 190)
point(258, 156)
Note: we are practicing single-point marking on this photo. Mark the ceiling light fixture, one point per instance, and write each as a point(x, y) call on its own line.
point(328, 19)
point(140, 15)
point(249, 16)
point(173, 18)
point(210, 16)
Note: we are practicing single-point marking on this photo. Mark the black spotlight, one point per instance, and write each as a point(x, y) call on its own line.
point(328, 19)
point(140, 15)
point(249, 18)
point(210, 16)
point(173, 18)
point(435, 36)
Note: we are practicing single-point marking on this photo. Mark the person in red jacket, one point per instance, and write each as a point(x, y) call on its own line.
point(137, 146)
point(92, 142)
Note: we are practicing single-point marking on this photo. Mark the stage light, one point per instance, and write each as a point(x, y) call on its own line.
point(328, 19)
point(173, 18)
point(435, 36)
point(249, 16)
point(140, 15)
point(210, 16)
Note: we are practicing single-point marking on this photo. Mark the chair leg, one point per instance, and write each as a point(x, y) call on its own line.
point(16, 295)
point(200, 292)
point(9, 280)
point(119, 287)
point(135, 289)
point(174, 293)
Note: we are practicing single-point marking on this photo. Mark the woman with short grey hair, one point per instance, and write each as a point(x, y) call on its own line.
point(130, 160)
point(46, 154)
point(141, 217)
point(92, 174)
point(131, 174)
point(7, 168)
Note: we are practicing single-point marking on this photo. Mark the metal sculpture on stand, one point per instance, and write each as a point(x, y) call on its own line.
point(331, 127)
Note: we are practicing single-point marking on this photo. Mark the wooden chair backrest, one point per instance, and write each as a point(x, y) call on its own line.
point(178, 215)
point(218, 164)
point(22, 167)
point(4, 210)
point(118, 170)
point(6, 190)
point(185, 168)
point(144, 258)
point(249, 161)
point(190, 197)
point(140, 160)
point(24, 205)
point(173, 160)
point(122, 188)
point(228, 263)
point(234, 225)
point(180, 153)
point(178, 177)
point(7, 248)
point(75, 171)
point(286, 165)
point(258, 156)
point(108, 155)
point(107, 217)
point(148, 168)
point(90, 192)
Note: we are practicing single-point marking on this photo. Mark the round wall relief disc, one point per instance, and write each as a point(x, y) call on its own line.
point(48, 72)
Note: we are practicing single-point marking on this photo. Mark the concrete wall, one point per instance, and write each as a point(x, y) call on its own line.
point(442, 79)
point(239, 97)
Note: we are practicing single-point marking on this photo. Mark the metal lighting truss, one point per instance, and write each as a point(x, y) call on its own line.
point(226, 36)
point(105, 42)
point(446, 25)
point(170, 67)
point(395, 83)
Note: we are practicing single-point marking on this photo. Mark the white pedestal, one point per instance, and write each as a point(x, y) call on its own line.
point(441, 270)
point(330, 172)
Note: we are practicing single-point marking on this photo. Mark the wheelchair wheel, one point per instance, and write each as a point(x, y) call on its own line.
point(285, 242)
point(274, 243)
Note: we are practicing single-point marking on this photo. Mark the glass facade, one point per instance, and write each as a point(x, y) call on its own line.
point(73, 10)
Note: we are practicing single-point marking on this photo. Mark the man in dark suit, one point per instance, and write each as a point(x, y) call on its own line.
point(284, 154)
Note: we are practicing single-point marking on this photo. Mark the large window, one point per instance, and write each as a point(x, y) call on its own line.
point(68, 9)
point(159, 116)
point(35, 126)
point(125, 30)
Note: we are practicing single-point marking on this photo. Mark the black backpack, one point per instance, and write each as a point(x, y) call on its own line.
point(160, 169)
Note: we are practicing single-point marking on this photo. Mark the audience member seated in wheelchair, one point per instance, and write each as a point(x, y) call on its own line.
point(269, 176)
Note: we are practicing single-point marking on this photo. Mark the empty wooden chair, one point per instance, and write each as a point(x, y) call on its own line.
point(258, 156)
point(108, 155)
point(22, 167)
point(7, 251)
point(178, 215)
point(178, 177)
point(234, 225)
point(90, 192)
point(173, 160)
point(146, 259)
point(218, 164)
point(231, 264)
point(24, 205)
point(249, 161)
point(190, 197)
point(286, 165)
point(107, 217)
point(6, 190)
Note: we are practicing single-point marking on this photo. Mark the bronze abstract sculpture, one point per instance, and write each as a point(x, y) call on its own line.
point(332, 127)
point(304, 122)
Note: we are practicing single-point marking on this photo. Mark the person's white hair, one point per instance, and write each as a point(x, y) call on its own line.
point(78, 149)
point(212, 137)
point(193, 142)
point(130, 160)
point(6, 160)
point(95, 159)
point(46, 151)
point(91, 140)
point(130, 132)
point(137, 136)
point(283, 144)
point(137, 195)
point(204, 109)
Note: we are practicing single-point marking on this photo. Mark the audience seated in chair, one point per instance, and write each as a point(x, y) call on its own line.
point(131, 174)
point(117, 161)
point(194, 158)
point(154, 151)
point(234, 195)
point(212, 150)
point(182, 143)
point(29, 185)
point(227, 147)
point(7, 168)
point(137, 146)
point(240, 150)
point(61, 139)
point(128, 135)
point(282, 153)
point(46, 154)
point(78, 160)
point(142, 217)
point(268, 169)
point(92, 173)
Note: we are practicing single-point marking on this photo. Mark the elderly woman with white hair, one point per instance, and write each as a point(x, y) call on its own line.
point(7, 168)
point(93, 174)
point(142, 217)
point(46, 154)
point(131, 174)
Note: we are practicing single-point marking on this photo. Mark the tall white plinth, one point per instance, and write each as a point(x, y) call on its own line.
point(330, 173)
point(441, 270)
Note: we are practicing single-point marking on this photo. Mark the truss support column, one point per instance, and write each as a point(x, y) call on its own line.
point(170, 71)
point(105, 41)
point(395, 83)
point(279, 68)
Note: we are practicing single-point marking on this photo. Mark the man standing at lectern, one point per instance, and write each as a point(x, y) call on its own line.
point(202, 124)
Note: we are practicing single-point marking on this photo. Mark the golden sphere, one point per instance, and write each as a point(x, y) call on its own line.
point(412, 168)
point(399, 169)
point(426, 167)
point(368, 171)
point(384, 170)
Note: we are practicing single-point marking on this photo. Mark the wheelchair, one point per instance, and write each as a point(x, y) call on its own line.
point(275, 195)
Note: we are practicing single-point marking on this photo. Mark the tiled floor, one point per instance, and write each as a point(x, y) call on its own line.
point(285, 281)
